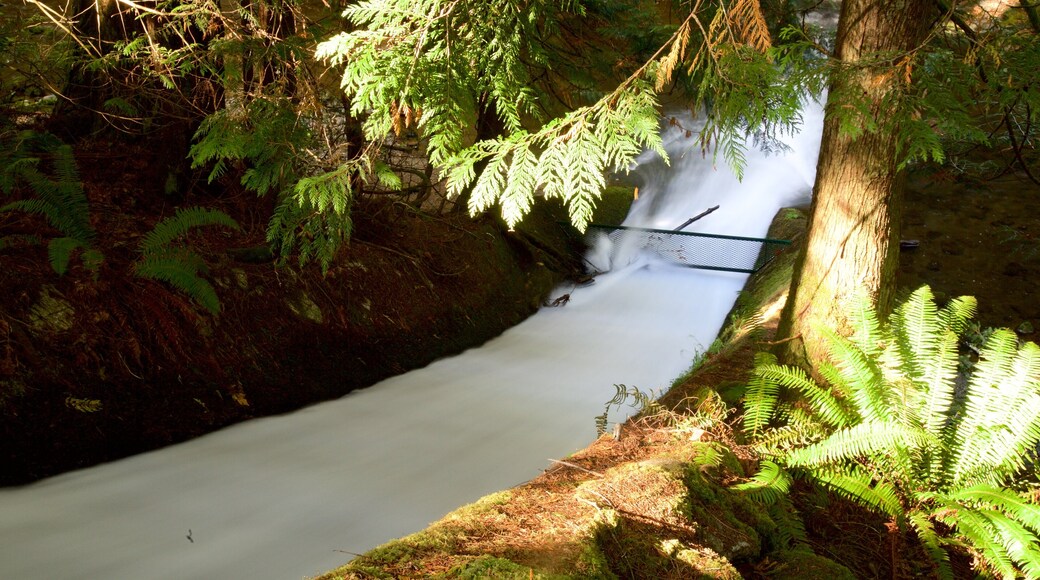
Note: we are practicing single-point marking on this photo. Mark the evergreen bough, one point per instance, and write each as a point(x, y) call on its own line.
point(177, 265)
point(896, 430)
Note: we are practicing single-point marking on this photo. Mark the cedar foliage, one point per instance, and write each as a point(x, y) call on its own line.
point(894, 429)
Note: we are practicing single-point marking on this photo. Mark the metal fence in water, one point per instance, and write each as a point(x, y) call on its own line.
point(698, 250)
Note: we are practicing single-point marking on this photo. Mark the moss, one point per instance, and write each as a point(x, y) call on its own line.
point(764, 287)
point(638, 548)
point(613, 207)
point(443, 538)
point(491, 567)
point(727, 521)
point(799, 564)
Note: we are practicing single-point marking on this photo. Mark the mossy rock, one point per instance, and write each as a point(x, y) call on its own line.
point(305, 308)
point(51, 314)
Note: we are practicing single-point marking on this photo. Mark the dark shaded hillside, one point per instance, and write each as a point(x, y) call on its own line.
point(94, 367)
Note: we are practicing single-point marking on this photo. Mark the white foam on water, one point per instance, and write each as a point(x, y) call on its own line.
point(292, 496)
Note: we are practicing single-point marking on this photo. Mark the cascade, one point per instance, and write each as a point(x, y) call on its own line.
point(295, 495)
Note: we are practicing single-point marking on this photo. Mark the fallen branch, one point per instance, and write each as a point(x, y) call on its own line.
point(578, 467)
point(696, 217)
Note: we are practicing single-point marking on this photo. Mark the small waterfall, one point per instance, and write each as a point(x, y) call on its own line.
point(295, 495)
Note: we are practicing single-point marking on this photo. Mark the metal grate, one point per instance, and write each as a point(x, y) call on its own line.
point(697, 250)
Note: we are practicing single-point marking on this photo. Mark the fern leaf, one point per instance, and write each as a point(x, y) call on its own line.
point(824, 404)
point(938, 383)
point(59, 251)
point(957, 314)
point(926, 533)
point(980, 531)
point(865, 324)
point(182, 275)
point(169, 229)
point(1018, 542)
point(858, 487)
point(1003, 499)
point(768, 485)
point(761, 395)
point(916, 331)
point(862, 440)
point(863, 377)
point(1001, 422)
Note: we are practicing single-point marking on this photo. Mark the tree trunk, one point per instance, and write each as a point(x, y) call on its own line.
point(852, 239)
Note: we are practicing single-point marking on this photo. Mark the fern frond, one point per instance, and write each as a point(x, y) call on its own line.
point(828, 408)
point(184, 220)
point(859, 487)
point(181, 273)
point(1000, 426)
point(1018, 542)
point(761, 396)
point(767, 486)
point(866, 328)
point(59, 251)
point(1001, 499)
point(982, 536)
point(778, 441)
point(916, 330)
point(57, 196)
point(863, 378)
point(938, 383)
point(862, 440)
point(178, 266)
point(932, 543)
point(957, 314)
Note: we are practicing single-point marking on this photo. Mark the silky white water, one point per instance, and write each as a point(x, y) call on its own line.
point(292, 496)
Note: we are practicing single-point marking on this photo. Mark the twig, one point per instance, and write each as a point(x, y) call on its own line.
point(578, 467)
point(783, 340)
point(696, 217)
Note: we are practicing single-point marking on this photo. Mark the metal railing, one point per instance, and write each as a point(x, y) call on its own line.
point(698, 250)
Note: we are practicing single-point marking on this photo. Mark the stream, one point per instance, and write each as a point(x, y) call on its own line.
point(292, 496)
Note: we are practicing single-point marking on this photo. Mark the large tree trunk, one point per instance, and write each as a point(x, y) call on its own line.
point(852, 242)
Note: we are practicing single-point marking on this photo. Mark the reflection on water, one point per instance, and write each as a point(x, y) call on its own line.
point(285, 497)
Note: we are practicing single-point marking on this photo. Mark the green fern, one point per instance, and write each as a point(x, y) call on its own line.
point(177, 265)
point(891, 432)
point(57, 194)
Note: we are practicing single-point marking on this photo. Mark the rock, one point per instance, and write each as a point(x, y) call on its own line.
point(305, 308)
point(51, 314)
point(1025, 328)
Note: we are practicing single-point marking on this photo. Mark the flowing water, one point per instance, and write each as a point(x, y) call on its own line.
point(291, 496)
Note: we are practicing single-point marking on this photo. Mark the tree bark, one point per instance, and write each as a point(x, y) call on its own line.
point(852, 239)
